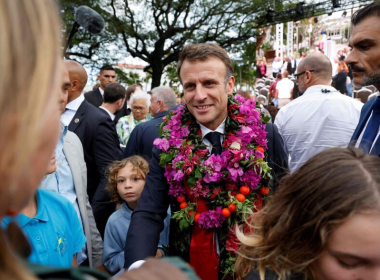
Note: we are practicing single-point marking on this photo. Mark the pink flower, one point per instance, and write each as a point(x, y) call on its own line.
point(211, 218)
point(202, 153)
point(162, 144)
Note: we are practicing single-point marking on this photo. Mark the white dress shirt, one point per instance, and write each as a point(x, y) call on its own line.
point(71, 109)
point(317, 121)
point(112, 116)
point(206, 130)
point(101, 92)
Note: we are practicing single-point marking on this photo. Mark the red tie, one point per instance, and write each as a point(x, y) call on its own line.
point(203, 255)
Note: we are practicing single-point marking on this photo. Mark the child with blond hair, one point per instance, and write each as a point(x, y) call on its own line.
point(126, 180)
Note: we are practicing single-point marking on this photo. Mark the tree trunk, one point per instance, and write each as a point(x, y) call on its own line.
point(157, 69)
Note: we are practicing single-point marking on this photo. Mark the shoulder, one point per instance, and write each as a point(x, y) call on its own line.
point(53, 199)
point(92, 92)
point(119, 216)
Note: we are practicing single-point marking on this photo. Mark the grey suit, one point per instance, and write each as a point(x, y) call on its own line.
point(72, 147)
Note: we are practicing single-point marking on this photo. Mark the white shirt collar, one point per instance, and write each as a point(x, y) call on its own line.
point(318, 88)
point(101, 91)
point(112, 116)
point(219, 129)
point(74, 105)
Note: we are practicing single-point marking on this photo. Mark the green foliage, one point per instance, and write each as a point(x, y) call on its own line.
point(267, 46)
point(157, 30)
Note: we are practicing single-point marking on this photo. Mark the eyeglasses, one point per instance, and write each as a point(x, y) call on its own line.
point(138, 109)
point(301, 73)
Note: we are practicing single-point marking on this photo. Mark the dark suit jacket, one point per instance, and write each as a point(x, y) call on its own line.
point(101, 147)
point(142, 137)
point(94, 97)
point(364, 115)
point(148, 219)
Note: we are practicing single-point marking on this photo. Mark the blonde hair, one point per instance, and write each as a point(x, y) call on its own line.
point(292, 230)
point(29, 53)
point(140, 165)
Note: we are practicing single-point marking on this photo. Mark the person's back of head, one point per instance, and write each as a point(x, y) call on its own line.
point(279, 76)
point(285, 74)
point(166, 95)
point(130, 90)
point(319, 66)
point(114, 92)
point(312, 206)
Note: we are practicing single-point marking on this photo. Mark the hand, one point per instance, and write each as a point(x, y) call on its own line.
point(154, 269)
point(159, 254)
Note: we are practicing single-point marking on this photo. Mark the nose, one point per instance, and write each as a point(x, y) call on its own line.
point(200, 94)
point(351, 58)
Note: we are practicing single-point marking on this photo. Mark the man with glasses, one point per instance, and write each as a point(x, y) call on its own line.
point(284, 90)
point(321, 118)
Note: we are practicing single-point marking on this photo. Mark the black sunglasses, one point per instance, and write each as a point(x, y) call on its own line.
point(301, 73)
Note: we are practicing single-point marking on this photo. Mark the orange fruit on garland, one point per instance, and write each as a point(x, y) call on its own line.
point(181, 199)
point(183, 205)
point(240, 197)
point(226, 213)
point(260, 149)
point(196, 217)
point(232, 207)
point(264, 190)
point(245, 190)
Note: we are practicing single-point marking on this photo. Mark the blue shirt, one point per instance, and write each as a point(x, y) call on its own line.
point(55, 233)
point(115, 237)
point(61, 181)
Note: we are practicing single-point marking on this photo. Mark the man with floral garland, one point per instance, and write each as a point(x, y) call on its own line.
point(210, 165)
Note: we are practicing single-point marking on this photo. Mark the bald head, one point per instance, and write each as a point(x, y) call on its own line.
point(78, 78)
point(320, 64)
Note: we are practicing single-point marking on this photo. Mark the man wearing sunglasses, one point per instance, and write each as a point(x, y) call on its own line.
point(321, 118)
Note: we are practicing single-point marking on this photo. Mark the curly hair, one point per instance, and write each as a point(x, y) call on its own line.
point(290, 233)
point(140, 165)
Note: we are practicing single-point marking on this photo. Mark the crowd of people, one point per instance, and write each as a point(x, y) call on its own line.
point(95, 183)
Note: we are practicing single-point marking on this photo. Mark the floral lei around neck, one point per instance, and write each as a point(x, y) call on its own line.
point(232, 183)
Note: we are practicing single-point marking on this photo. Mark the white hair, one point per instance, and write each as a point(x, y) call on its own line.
point(166, 95)
point(138, 95)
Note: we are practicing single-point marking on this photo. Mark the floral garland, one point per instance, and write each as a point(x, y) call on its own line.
point(231, 183)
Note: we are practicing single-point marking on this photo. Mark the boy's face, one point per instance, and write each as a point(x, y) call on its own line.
point(51, 166)
point(130, 184)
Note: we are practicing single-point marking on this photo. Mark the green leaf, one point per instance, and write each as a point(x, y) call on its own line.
point(191, 181)
point(198, 174)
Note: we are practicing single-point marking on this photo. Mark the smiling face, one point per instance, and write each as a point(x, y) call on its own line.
point(352, 251)
point(130, 184)
point(206, 91)
point(364, 57)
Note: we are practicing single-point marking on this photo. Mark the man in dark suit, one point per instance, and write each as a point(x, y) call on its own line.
point(114, 99)
point(364, 60)
point(126, 110)
point(141, 139)
point(107, 75)
point(205, 71)
point(99, 139)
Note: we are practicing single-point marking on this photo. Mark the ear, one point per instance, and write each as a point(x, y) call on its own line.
point(230, 85)
point(75, 85)
point(98, 77)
